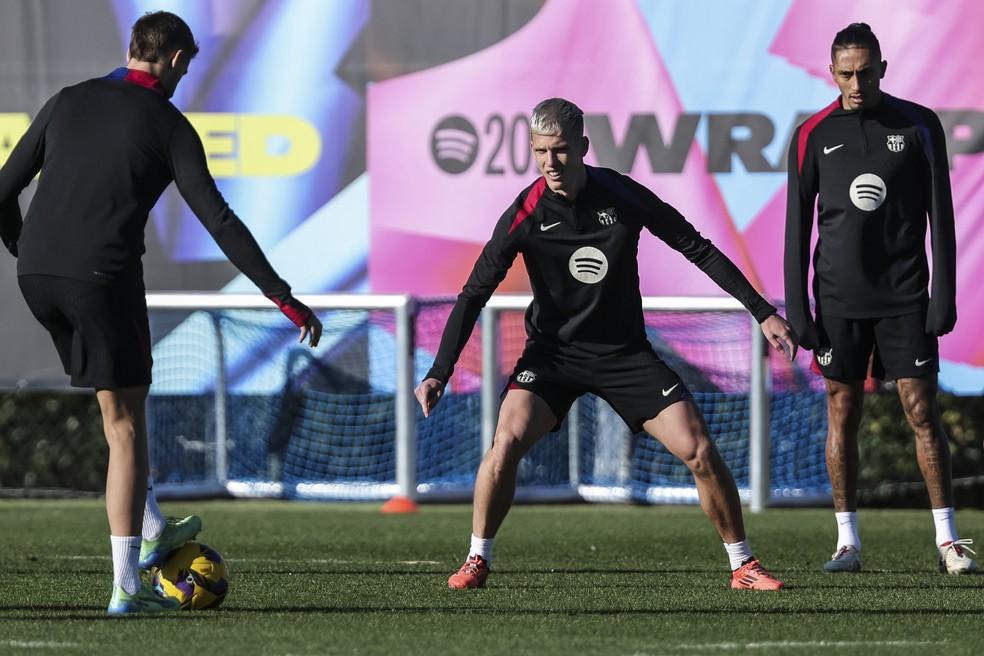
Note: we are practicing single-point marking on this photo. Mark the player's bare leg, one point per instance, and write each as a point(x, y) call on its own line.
point(844, 404)
point(845, 401)
point(125, 425)
point(523, 419)
point(918, 397)
point(682, 430)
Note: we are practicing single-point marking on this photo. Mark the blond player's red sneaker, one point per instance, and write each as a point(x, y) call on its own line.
point(471, 575)
point(752, 576)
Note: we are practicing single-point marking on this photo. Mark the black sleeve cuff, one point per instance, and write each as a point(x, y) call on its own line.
point(442, 374)
point(763, 310)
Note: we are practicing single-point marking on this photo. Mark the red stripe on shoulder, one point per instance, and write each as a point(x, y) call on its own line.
point(529, 203)
point(807, 128)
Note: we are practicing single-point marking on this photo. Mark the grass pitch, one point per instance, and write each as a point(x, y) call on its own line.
point(579, 579)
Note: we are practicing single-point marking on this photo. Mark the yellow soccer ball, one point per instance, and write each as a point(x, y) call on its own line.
point(195, 575)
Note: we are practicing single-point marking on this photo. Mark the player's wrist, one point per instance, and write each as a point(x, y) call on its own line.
point(764, 312)
point(298, 313)
point(440, 374)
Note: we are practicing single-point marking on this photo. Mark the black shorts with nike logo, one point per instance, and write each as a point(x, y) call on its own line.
point(635, 382)
point(898, 347)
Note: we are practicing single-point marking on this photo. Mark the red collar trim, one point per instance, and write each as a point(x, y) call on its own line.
point(144, 79)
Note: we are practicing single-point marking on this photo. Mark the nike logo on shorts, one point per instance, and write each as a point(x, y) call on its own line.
point(666, 392)
point(827, 151)
point(920, 363)
point(544, 228)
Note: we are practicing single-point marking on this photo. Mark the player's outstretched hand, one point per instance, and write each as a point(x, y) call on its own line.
point(301, 316)
point(428, 394)
point(311, 330)
point(780, 335)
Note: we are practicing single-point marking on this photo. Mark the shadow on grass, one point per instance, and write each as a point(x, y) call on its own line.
point(74, 612)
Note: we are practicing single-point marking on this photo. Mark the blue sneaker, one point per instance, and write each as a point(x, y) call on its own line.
point(154, 553)
point(143, 601)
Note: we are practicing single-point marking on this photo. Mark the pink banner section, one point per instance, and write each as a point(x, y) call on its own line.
point(448, 148)
point(932, 57)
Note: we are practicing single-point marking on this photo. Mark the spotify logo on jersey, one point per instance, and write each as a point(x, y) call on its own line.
point(868, 192)
point(588, 265)
point(454, 144)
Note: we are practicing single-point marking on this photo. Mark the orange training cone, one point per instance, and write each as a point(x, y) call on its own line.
point(399, 504)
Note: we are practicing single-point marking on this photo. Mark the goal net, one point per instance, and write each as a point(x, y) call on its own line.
point(239, 407)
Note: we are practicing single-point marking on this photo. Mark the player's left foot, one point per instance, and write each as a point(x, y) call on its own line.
point(954, 558)
point(471, 575)
point(154, 553)
point(847, 559)
point(143, 600)
point(752, 576)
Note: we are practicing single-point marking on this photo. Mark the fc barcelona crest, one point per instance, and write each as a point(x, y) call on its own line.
point(607, 216)
point(896, 142)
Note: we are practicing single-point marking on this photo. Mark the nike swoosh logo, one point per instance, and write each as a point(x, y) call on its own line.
point(544, 228)
point(827, 151)
point(920, 363)
point(666, 392)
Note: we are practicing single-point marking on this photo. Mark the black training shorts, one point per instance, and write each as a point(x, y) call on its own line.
point(101, 332)
point(636, 383)
point(901, 346)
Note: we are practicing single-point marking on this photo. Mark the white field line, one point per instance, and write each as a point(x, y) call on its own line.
point(806, 644)
point(285, 561)
point(37, 644)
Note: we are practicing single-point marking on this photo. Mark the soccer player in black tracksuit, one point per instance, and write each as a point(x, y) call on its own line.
point(879, 166)
point(578, 228)
point(106, 150)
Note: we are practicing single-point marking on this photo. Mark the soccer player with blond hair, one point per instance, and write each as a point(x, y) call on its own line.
point(578, 229)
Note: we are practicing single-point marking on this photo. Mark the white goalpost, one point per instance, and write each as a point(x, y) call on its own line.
point(239, 408)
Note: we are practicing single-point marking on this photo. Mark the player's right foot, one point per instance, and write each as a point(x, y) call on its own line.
point(954, 558)
point(752, 576)
point(154, 553)
point(847, 559)
point(143, 600)
point(471, 575)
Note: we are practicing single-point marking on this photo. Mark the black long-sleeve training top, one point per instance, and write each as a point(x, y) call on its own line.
point(879, 173)
point(107, 148)
point(582, 261)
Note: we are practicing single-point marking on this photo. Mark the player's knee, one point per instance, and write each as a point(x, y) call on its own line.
point(919, 411)
point(507, 447)
point(842, 403)
point(120, 432)
point(699, 458)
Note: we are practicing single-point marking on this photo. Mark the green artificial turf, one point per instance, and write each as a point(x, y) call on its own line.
point(576, 579)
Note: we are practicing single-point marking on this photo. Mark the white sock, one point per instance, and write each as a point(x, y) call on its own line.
point(738, 553)
point(847, 530)
point(481, 547)
point(946, 526)
point(154, 520)
point(126, 553)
